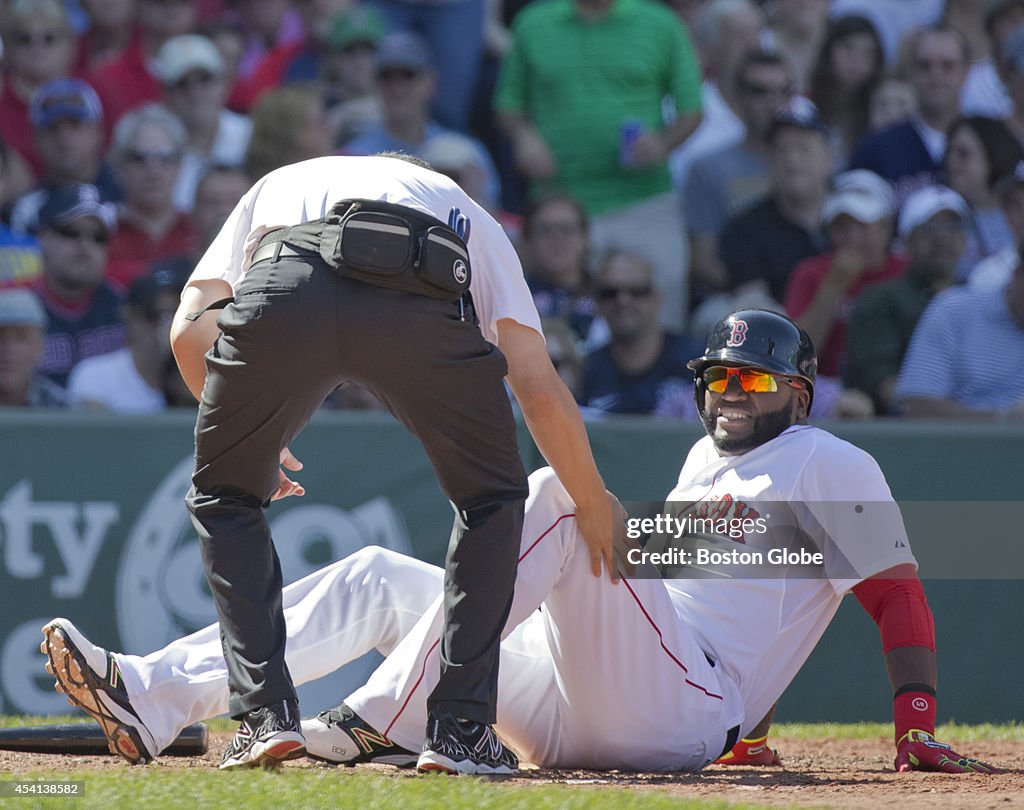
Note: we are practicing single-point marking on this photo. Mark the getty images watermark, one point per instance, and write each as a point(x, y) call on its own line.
point(741, 537)
point(679, 529)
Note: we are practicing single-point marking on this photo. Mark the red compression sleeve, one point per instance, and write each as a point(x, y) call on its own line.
point(899, 608)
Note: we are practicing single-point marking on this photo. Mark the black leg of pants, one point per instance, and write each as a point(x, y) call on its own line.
point(295, 332)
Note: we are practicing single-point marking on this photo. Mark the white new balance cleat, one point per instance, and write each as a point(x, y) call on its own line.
point(342, 737)
point(90, 677)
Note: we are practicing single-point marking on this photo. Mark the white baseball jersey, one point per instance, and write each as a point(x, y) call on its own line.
point(306, 191)
point(761, 631)
point(602, 676)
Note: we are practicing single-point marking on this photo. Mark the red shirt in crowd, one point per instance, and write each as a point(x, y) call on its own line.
point(124, 83)
point(132, 250)
point(803, 286)
point(269, 74)
point(16, 130)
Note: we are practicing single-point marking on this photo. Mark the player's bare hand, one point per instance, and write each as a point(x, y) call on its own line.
point(533, 156)
point(286, 486)
point(920, 751)
point(596, 523)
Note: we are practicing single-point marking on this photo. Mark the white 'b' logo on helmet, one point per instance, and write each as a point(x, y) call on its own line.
point(459, 270)
point(738, 336)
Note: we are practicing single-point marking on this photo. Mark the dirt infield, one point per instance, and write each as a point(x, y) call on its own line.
point(816, 773)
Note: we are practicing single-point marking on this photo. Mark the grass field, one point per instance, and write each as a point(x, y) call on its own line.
point(196, 784)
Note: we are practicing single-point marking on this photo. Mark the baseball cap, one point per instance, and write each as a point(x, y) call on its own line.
point(20, 307)
point(64, 99)
point(926, 202)
point(404, 49)
point(450, 151)
point(357, 24)
point(861, 194)
point(145, 291)
point(799, 113)
point(188, 52)
point(68, 203)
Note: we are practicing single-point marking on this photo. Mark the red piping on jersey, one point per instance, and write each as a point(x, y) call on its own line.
point(412, 691)
point(547, 531)
point(533, 545)
point(661, 641)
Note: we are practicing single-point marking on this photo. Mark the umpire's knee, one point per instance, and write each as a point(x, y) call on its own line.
point(210, 510)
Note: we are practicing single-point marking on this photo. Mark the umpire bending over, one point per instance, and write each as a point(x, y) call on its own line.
point(379, 271)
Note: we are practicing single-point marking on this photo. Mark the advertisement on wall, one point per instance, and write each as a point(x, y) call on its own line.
point(98, 532)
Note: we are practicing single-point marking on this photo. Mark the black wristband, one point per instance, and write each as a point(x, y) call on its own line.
point(915, 687)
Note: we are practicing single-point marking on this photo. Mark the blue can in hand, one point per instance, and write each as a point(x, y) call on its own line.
point(629, 131)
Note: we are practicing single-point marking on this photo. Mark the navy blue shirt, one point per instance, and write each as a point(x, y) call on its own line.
point(898, 154)
point(759, 244)
point(579, 311)
point(77, 332)
point(664, 389)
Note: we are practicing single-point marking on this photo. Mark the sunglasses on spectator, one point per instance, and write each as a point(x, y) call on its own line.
point(97, 237)
point(202, 78)
point(751, 380)
point(941, 227)
point(390, 74)
point(634, 291)
point(140, 157)
point(555, 228)
point(765, 90)
point(26, 39)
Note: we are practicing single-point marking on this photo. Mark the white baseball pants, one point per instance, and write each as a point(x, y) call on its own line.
point(602, 676)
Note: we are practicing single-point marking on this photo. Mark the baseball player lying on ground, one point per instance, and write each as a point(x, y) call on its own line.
point(664, 676)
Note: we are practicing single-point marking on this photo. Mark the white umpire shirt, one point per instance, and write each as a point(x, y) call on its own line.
point(306, 191)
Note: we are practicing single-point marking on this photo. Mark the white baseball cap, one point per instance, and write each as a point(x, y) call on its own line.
point(861, 194)
point(187, 52)
point(20, 307)
point(926, 202)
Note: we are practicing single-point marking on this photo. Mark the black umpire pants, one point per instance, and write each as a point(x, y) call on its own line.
point(295, 331)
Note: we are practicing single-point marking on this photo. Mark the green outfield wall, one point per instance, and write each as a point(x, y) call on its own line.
point(93, 527)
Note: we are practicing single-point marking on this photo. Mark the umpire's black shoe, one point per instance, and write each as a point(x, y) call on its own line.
point(342, 737)
point(457, 746)
point(267, 737)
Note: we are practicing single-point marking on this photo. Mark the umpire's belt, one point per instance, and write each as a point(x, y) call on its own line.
point(382, 244)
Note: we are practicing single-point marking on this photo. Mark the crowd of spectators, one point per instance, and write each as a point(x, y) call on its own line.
point(857, 164)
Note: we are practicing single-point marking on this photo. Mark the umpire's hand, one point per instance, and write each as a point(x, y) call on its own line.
point(920, 751)
point(596, 524)
point(286, 486)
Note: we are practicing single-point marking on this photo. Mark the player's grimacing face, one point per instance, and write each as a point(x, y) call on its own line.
point(738, 421)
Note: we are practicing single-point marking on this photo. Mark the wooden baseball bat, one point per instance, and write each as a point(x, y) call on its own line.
point(88, 739)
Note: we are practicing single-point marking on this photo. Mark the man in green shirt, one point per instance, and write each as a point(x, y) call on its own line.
point(579, 74)
point(933, 228)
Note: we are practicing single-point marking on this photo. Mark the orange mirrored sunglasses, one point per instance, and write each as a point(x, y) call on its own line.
point(751, 380)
